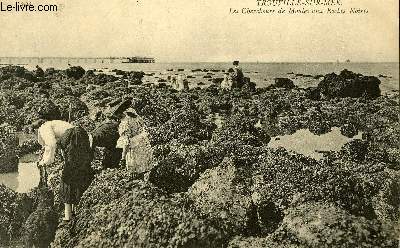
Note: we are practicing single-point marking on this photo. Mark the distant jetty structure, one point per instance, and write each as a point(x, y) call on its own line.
point(74, 60)
point(139, 60)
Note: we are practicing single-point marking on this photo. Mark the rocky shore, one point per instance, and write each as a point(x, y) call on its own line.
point(214, 184)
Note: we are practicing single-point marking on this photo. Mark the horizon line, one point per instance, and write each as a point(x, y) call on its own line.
point(178, 61)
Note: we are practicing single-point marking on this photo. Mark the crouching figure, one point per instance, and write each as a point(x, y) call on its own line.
point(77, 173)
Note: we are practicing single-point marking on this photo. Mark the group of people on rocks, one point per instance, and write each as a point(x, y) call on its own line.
point(118, 134)
point(234, 78)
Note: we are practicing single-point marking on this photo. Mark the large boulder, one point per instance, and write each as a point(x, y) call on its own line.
point(49, 111)
point(14, 210)
point(284, 83)
point(75, 72)
point(178, 166)
point(220, 193)
point(292, 179)
point(39, 107)
point(355, 150)
point(134, 77)
point(349, 84)
point(239, 130)
point(10, 71)
point(324, 225)
point(40, 227)
point(185, 126)
point(6, 209)
point(122, 211)
point(349, 130)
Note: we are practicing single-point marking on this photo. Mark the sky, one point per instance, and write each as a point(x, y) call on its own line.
point(201, 31)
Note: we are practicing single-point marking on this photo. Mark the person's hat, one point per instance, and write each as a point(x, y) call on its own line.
point(118, 107)
point(236, 62)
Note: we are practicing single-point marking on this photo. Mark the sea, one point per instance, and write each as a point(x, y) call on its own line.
point(263, 74)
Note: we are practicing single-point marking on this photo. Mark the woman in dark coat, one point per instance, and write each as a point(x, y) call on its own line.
point(77, 173)
point(106, 135)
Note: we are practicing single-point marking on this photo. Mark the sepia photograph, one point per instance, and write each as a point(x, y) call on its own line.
point(199, 124)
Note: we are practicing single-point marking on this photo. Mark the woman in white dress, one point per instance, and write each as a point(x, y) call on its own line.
point(134, 141)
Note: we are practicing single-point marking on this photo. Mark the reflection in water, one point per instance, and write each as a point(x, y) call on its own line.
point(307, 143)
point(24, 180)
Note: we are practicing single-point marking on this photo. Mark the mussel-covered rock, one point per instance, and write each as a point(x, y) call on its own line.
point(75, 72)
point(10, 71)
point(288, 180)
point(39, 107)
point(98, 79)
point(178, 166)
point(123, 211)
point(324, 225)
point(185, 126)
point(349, 84)
point(220, 193)
point(40, 227)
point(8, 149)
point(71, 107)
point(313, 93)
point(6, 210)
point(284, 83)
point(355, 150)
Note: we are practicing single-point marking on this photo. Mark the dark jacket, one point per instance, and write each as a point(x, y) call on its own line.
point(106, 135)
point(78, 156)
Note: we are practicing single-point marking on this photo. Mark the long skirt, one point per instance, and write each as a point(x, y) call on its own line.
point(112, 157)
point(77, 173)
point(71, 194)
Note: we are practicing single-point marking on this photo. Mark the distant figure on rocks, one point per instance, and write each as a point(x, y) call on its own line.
point(227, 83)
point(74, 143)
point(237, 75)
point(106, 135)
point(39, 72)
point(134, 141)
point(179, 83)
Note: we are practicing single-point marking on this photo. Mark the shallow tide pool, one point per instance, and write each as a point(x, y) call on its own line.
point(25, 179)
point(307, 143)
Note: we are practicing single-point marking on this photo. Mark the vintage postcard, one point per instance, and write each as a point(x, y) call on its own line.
point(240, 123)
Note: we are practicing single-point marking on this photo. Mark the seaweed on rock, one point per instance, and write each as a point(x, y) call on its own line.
point(324, 225)
point(288, 180)
point(349, 84)
point(11, 71)
point(178, 166)
point(40, 227)
point(184, 126)
point(221, 194)
point(8, 149)
point(136, 215)
point(6, 211)
point(71, 108)
point(75, 72)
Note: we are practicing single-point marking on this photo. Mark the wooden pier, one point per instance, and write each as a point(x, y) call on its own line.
point(139, 60)
point(73, 60)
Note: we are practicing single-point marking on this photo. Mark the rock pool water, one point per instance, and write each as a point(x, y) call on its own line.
point(307, 143)
point(25, 179)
